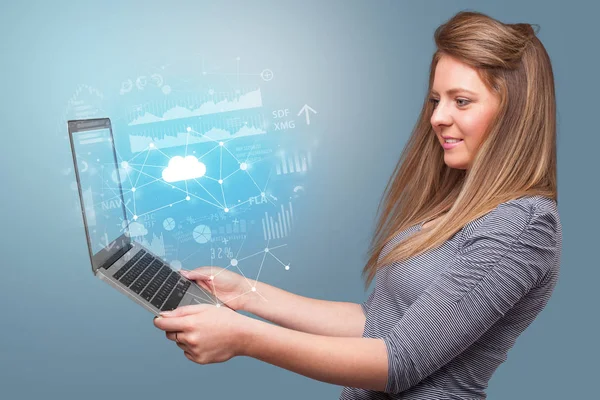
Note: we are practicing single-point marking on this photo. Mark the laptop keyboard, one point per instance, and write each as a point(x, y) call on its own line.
point(153, 280)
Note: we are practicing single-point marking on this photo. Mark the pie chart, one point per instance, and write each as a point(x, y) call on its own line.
point(201, 234)
point(169, 224)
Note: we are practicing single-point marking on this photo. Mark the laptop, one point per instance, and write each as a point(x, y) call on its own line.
point(116, 257)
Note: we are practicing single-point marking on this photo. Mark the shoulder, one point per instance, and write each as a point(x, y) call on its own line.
point(527, 227)
point(514, 218)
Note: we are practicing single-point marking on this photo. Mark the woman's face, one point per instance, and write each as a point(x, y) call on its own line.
point(463, 113)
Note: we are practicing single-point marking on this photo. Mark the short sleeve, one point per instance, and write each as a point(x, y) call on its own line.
point(365, 305)
point(496, 265)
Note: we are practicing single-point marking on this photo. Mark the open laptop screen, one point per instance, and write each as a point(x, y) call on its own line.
point(99, 181)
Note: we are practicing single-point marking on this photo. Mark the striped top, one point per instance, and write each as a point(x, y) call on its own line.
point(449, 316)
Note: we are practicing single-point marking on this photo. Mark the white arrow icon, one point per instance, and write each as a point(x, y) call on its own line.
point(306, 109)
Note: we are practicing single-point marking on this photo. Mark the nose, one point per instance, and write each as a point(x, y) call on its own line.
point(440, 115)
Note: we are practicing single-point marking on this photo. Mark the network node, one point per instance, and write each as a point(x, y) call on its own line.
point(226, 209)
point(254, 288)
point(243, 166)
point(234, 262)
point(135, 217)
point(287, 267)
point(151, 145)
point(266, 249)
point(221, 143)
point(189, 129)
point(212, 277)
point(187, 198)
point(125, 164)
point(133, 189)
point(220, 181)
point(218, 305)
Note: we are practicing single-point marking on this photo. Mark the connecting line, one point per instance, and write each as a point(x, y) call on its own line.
point(276, 247)
point(245, 277)
point(134, 157)
point(148, 183)
point(201, 298)
point(272, 255)
point(121, 158)
point(239, 204)
point(249, 152)
point(252, 255)
point(125, 205)
point(146, 165)
point(195, 252)
point(262, 262)
point(242, 245)
point(161, 152)
point(160, 208)
point(202, 186)
point(216, 147)
point(230, 174)
point(138, 177)
point(256, 184)
point(229, 151)
point(221, 167)
point(190, 194)
point(223, 193)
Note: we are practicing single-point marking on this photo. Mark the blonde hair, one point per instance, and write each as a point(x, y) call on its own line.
point(517, 155)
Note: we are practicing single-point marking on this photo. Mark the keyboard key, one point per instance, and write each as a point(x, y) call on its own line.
point(165, 290)
point(156, 282)
point(143, 280)
point(175, 297)
point(128, 264)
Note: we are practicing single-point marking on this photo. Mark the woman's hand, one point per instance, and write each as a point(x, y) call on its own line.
point(230, 287)
point(206, 333)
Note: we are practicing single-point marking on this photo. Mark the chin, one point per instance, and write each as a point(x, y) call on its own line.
point(456, 165)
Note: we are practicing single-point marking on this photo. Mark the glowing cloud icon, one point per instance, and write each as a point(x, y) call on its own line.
point(182, 169)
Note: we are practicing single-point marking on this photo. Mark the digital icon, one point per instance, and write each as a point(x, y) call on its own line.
point(201, 234)
point(169, 224)
point(126, 87)
point(157, 79)
point(266, 75)
point(141, 82)
point(305, 109)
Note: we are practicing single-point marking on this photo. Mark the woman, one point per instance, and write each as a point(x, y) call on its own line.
point(465, 255)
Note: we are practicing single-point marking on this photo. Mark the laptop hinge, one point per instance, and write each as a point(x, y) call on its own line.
point(113, 259)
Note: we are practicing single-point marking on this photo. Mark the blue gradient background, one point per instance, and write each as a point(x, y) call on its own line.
point(363, 66)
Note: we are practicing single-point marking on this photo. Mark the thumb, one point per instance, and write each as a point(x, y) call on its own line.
point(185, 310)
point(195, 274)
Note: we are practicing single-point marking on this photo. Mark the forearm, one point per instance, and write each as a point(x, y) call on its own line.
point(344, 361)
point(320, 317)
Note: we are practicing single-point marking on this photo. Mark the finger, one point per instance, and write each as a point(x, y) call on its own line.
point(200, 274)
point(185, 310)
point(171, 323)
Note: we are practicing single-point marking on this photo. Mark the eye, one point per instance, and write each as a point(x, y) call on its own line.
point(435, 101)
